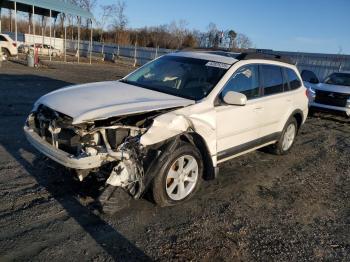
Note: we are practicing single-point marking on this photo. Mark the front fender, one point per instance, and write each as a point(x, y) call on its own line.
point(172, 124)
point(164, 127)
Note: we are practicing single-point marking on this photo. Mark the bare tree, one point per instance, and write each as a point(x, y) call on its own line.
point(212, 35)
point(190, 41)
point(242, 41)
point(107, 11)
point(120, 22)
point(200, 37)
point(232, 35)
point(10, 15)
point(179, 30)
point(88, 5)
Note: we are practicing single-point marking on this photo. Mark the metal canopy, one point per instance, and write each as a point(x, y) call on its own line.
point(43, 7)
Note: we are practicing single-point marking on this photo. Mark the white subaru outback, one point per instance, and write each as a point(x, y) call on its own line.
point(170, 123)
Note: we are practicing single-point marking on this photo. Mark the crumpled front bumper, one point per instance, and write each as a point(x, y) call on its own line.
point(61, 157)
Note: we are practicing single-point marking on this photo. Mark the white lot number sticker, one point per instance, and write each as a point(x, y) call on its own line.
point(218, 65)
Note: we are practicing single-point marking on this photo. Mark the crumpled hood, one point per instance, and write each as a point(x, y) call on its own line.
point(102, 100)
point(332, 88)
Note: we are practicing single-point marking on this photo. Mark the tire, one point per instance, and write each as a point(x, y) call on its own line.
point(169, 182)
point(6, 52)
point(284, 145)
point(113, 199)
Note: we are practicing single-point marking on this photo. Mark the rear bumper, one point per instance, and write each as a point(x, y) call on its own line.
point(346, 110)
point(62, 157)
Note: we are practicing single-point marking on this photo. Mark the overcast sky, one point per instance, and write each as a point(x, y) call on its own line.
point(321, 26)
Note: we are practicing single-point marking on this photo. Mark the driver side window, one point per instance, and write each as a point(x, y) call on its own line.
point(246, 81)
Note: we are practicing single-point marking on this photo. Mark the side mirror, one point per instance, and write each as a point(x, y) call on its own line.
point(234, 98)
point(309, 76)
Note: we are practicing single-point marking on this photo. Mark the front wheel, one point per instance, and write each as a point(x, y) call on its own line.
point(287, 138)
point(180, 175)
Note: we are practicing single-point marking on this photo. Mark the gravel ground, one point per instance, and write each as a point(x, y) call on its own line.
point(262, 207)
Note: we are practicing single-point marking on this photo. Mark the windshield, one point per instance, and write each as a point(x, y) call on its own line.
point(181, 76)
point(340, 79)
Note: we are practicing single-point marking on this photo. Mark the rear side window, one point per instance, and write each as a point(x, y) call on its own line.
point(246, 81)
point(272, 77)
point(294, 81)
point(2, 38)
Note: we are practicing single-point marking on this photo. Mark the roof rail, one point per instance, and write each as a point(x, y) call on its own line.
point(264, 56)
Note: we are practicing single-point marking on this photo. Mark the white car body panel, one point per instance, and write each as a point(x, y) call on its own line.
point(107, 99)
point(236, 124)
point(199, 118)
point(270, 118)
point(9, 45)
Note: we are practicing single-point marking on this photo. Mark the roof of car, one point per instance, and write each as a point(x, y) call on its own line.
point(206, 56)
point(231, 57)
point(6, 35)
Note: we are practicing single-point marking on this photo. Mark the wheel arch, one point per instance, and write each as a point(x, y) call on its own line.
point(170, 144)
point(3, 49)
point(198, 141)
point(299, 117)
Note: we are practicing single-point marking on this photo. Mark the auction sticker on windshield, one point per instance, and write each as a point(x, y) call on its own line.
point(217, 64)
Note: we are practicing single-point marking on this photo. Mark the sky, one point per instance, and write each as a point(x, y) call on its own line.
point(318, 26)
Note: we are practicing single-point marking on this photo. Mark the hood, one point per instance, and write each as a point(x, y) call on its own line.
point(102, 100)
point(332, 88)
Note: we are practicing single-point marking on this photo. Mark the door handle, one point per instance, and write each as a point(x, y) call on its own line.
point(258, 108)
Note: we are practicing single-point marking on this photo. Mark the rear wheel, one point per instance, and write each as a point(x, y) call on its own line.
point(6, 52)
point(179, 176)
point(286, 141)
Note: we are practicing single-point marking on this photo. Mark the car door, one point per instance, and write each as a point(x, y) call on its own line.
point(238, 126)
point(275, 101)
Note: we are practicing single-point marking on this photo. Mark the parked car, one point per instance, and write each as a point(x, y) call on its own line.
point(333, 94)
point(24, 49)
point(171, 122)
point(44, 50)
point(7, 45)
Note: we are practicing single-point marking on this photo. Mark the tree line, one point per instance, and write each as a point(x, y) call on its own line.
point(112, 27)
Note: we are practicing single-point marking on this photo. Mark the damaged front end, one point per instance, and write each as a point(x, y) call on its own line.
point(112, 144)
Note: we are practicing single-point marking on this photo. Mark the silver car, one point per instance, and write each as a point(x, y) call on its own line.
point(332, 94)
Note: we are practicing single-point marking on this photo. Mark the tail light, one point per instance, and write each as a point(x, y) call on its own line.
point(14, 44)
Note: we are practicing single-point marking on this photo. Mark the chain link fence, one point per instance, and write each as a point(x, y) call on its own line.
point(140, 55)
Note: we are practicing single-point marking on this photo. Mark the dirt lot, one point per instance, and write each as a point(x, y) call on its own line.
point(262, 207)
